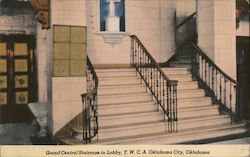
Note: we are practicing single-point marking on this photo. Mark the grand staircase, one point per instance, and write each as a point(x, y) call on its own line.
point(128, 113)
point(141, 105)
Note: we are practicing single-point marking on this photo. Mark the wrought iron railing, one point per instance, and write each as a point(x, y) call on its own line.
point(163, 90)
point(222, 88)
point(90, 105)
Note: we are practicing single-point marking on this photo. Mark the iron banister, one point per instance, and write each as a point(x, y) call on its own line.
point(163, 90)
point(157, 65)
point(198, 49)
point(90, 124)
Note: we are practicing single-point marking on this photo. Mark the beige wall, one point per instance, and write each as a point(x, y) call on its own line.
point(64, 93)
point(151, 21)
point(216, 31)
point(184, 8)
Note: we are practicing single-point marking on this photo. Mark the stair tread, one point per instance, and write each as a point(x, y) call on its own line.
point(130, 116)
point(123, 103)
point(168, 138)
point(119, 95)
point(163, 123)
point(99, 70)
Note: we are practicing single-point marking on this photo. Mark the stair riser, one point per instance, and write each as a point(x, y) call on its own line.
point(190, 94)
point(187, 86)
point(116, 74)
point(114, 100)
point(119, 81)
point(127, 110)
point(194, 104)
point(158, 128)
point(122, 90)
point(179, 72)
point(129, 120)
point(188, 114)
point(205, 123)
point(107, 70)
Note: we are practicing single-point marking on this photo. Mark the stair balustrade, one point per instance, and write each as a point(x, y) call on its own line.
point(90, 105)
point(222, 88)
point(163, 90)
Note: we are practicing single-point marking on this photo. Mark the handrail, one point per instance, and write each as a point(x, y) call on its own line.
point(187, 19)
point(198, 49)
point(223, 89)
point(90, 105)
point(161, 87)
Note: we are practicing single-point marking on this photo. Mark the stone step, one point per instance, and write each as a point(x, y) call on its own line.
point(169, 71)
point(122, 109)
point(108, 70)
point(197, 112)
point(180, 65)
point(190, 93)
point(116, 74)
point(211, 132)
point(126, 98)
point(130, 119)
point(194, 102)
point(181, 61)
point(180, 77)
point(129, 89)
point(182, 85)
point(159, 127)
point(117, 81)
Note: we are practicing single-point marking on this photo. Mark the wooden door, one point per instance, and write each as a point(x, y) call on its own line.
point(18, 85)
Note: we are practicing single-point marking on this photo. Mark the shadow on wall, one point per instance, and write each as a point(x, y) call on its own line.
point(13, 6)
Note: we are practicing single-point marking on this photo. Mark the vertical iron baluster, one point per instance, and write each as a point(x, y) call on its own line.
point(167, 100)
point(230, 100)
point(213, 80)
point(154, 85)
point(132, 53)
point(225, 91)
point(220, 88)
point(202, 72)
point(205, 73)
point(164, 99)
point(209, 76)
point(157, 88)
point(216, 84)
point(170, 107)
point(160, 88)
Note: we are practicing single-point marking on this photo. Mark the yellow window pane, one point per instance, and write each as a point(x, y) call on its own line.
point(78, 34)
point(21, 81)
point(61, 68)
point(21, 65)
point(21, 97)
point(20, 49)
point(3, 98)
point(3, 49)
point(78, 67)
point(3, 82)
point(78, 51)
point(61, 51)
point(3, 65)
point(61, 34)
